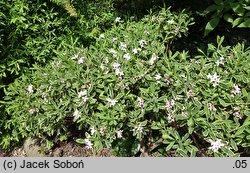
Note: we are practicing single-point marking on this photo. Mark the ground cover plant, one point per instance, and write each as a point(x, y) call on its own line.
point(125, 81)
point(130, 86)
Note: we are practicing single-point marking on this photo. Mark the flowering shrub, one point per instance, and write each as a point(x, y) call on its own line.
point(130, 93)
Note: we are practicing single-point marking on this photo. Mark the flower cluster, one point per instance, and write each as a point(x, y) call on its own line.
point(236, 90)
point(169, 105)
point(216, 145)
point(140, 103)
point(111, 102)
point(170, 117)
point(214, 79)
point(117, 68)
point(138, 129)
point(83, 94)
point(153, 59)
point(89, 144)
point(237, 112)
point(30, 89)
point(220, 61)
point(119, 134)
point(211, 107)
point(158, 78)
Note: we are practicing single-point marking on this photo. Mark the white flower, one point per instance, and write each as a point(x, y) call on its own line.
point(116, 65)
point(168, 106)
point(119, 133)
point(170, 117)
point(154, 18)
point(75, 56)
point(123, 46)
point(123, 85)
point(153, 59)
point(157, 77)
point(237, 112)
point(177, 30)
point(136, 50)
point(76, 114)
point(138, 129)
point(140, 103)
point(142, 43)
point(216, 145)
point(211, 107)
point(102, 36)
point(117, 69)
point(114, 40)
point(32, 111)
point(119, 72)
point(88, 144)
point(214, 79)
point(118, 19)
point(82, 93)
point(184, 113)
point(189, 94)
point(102, 130)
point(106, 60)
point(85, 98)
point(45, 97)
point(146, 32)
point(81, 60)
point(111, 102)
point(112, 51)
point(168, 79)
point(172, 102)
point(126, 56)
point(30, 89)
point(58, 63)
point(236, 90)
point(220, 61)
point(92, 130)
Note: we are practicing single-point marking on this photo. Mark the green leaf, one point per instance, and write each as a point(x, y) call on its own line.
point(218, 2)
point(182, 152)
point(228, 18)
point(238, 8)
point(233, 145)
point(135, 147)
point(220, 40)
point(211, 25)
point(245, 24)
point(223, 103)
point(227, 151)
point(248, 137)
point(240, 131)
point(246, 145)
point(80, 141)
point(169, 146)
point(98, 146)
point(212, 8)
point(247, 8)
point(237, 21)
point(190, 122)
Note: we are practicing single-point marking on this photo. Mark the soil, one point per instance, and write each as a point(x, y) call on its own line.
point(63, 149)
